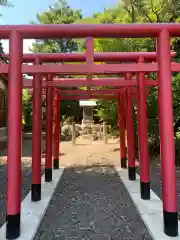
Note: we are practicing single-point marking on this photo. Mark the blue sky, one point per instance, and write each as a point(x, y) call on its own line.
point(25, 11)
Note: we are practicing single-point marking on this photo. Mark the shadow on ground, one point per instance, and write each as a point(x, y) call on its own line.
point(26, 148)
point(115, 150)
point(91, 203)
point(156, 182)
point(81, 144)
point(26, 186)
point(26, 176)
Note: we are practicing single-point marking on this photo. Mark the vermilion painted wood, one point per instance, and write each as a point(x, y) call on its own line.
point(81, 57)
point(86, 97)
point(164, 66)
point(122, 126)
point(82, 69)
point(97, 91)
point(89, 57)
point(142, 127)
point(112, 82)
point(36, 129)
point(103, 92)
point(14, 127)
point(166, 126)
point(130, 123)
point(51, 31)
point(56, 125)
point(13, 199)
point(49, 127)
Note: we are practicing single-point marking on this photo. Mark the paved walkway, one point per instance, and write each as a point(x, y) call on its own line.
point(91, 203)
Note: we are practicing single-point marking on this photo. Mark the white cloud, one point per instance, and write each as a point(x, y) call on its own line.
point(27, 43)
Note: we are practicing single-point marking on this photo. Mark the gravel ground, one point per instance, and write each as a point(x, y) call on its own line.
point(156, 183)
point(96, 195)
point(91, 203)
point(26, 176)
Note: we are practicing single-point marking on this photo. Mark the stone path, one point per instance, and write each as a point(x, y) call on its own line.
point(78, 161)
point(91, 203)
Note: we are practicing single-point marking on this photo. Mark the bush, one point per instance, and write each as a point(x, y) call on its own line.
point(177, 148)
point(66, 132)
point(27, 107)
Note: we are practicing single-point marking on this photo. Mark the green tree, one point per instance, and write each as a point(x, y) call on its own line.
point(139, 11)
point(27, 107)
point(152, 10)
point(127, 11)
point(60, 13)
point(6, 3)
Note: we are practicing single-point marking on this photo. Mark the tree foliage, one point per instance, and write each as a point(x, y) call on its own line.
point(139, 11)
point(60, 13)
point(126, 11)
point(6, 3)
point(27, 107)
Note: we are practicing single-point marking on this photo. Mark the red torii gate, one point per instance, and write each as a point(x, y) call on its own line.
point(145, 191)
point(95, 82)
point(90, 94)
point(163, 66)
point(93, 92)
point(81, 57)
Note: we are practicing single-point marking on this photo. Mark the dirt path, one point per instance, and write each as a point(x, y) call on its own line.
point(87, 153)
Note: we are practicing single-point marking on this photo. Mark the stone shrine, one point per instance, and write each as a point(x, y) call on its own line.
point(88, 107)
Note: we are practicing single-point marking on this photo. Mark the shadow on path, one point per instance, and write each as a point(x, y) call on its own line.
point(156, 181)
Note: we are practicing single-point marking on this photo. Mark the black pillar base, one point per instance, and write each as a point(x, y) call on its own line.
point(171, 223)
point(123, 163)
point(35, 192)
point(56, 164)
point(48, 174)
point(145, 190)
point(13, 226)
point(132, 173)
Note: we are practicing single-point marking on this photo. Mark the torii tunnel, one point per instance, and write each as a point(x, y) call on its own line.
point(128, 80)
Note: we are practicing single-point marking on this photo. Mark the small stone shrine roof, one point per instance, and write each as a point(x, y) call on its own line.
point(89, 103)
